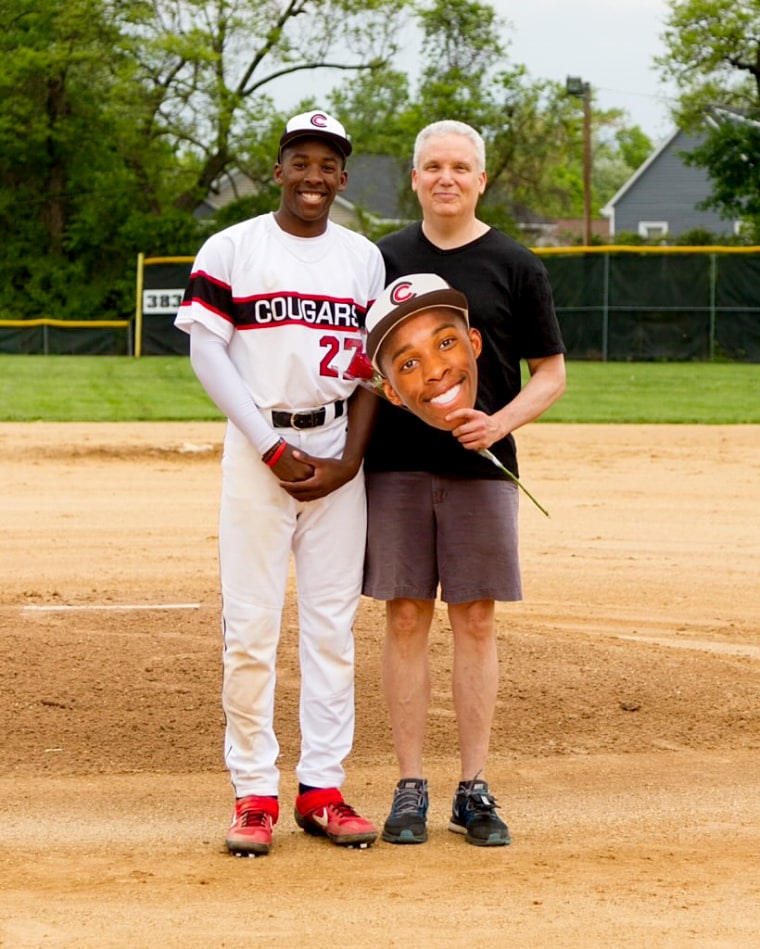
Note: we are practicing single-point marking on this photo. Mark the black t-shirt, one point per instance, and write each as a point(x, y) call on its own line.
point(510, 302)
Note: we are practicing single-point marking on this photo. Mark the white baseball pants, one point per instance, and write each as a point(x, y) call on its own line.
point(260, 525)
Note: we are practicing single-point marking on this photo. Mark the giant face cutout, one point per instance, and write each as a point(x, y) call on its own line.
point(429, 365)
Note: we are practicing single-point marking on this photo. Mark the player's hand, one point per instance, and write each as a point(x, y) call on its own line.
point(474, 429)
point(327, 475)
point(291, 468)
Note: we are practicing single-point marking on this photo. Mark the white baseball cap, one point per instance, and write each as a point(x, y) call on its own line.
point(404, 297)
point(316, 124)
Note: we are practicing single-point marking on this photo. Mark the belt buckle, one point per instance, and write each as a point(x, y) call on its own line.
point(300, 420)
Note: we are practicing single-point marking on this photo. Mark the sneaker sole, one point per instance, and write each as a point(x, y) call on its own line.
point(405, 837)
point(493, 841)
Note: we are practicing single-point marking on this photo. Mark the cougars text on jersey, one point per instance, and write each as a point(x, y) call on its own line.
point(266, 309)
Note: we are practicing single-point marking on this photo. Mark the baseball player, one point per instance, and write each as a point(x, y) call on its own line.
point(274, 308)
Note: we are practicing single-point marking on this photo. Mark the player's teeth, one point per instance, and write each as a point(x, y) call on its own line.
point(448, 396)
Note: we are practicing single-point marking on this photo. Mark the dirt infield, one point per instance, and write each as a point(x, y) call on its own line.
point(625, 752)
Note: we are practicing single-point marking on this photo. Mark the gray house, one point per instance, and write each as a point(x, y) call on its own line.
point(660, 198)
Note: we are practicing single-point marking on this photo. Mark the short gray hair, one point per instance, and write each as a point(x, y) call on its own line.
point(451, 127)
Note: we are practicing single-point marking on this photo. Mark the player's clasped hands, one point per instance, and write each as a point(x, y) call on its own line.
point(307, 478)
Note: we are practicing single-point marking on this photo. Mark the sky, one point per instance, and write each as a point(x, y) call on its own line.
point(608, 43)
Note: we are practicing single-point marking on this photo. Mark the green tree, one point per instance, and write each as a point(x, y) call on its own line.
point(465, 75)
point(59, 165)
point(378, 106)
point(118, 116)
point(713, 57)
point(731, 155)
point(532, 129)
point(633, 146)
point(205, 69)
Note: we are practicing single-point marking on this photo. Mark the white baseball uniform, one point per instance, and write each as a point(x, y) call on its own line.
point(274, 320)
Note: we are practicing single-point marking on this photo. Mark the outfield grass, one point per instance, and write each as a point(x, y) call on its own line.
point(164, 388)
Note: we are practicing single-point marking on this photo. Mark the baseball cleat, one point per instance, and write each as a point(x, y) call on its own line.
point(250, 833)
point(324, 813)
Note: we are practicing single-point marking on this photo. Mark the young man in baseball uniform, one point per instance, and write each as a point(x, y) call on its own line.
point(441, 515)
point(274, 308)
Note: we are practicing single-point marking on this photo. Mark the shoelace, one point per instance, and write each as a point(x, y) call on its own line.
point(477, 797)
point(343, 810)
point(408, 800)
point(254, 818)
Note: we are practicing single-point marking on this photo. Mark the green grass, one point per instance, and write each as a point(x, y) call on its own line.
point(164, 388)
point(101, 389)
point(674, 392)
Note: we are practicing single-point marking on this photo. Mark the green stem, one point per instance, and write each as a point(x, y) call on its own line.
point(491, 457)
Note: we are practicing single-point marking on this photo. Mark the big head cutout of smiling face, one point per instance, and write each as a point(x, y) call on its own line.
point(420, 340)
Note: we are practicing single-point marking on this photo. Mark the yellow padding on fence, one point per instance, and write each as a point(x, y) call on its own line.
point(68, 324)
point(646, 249)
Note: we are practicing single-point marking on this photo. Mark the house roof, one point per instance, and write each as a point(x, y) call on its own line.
point(607, 210)
point(375, 184)
point(713, 114)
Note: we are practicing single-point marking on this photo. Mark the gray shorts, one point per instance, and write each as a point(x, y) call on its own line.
point(424, 530)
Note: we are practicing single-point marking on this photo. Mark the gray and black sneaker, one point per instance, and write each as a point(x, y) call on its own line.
point(407, 821)
point(474, 814)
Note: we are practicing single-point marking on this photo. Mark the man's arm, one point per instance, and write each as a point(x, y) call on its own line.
point(546, 384)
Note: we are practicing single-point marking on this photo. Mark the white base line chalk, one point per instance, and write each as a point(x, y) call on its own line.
point(62, 608)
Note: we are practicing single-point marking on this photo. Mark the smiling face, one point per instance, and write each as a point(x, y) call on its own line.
point(429, 364)
point(311, 173)
point(448, 177)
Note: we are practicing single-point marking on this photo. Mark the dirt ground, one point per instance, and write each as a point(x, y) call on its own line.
point(624, 755)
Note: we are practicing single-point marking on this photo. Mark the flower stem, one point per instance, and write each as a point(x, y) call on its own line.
point(491, 457)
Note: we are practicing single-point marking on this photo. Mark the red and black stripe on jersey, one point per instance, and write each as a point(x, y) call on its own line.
point(269, 309)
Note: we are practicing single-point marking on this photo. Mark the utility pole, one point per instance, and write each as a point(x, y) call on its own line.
point(577, 87)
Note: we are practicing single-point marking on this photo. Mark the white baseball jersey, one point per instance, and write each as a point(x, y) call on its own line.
point(290, 308)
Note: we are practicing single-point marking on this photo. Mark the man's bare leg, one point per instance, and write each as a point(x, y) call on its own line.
point(475, 681)
point(406, 679)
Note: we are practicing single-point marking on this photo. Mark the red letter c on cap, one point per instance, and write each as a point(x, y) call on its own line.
point(401, 292)
point(319, 120)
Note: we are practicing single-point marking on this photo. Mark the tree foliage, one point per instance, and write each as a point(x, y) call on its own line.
point(532, 129)
point(731, 154)
point(118, 117)
point(204, 68)
point(713, 56)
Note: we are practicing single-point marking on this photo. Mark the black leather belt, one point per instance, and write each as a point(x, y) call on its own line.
point(312, 419)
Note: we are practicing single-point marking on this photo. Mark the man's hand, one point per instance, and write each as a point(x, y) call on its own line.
point(474, 429)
